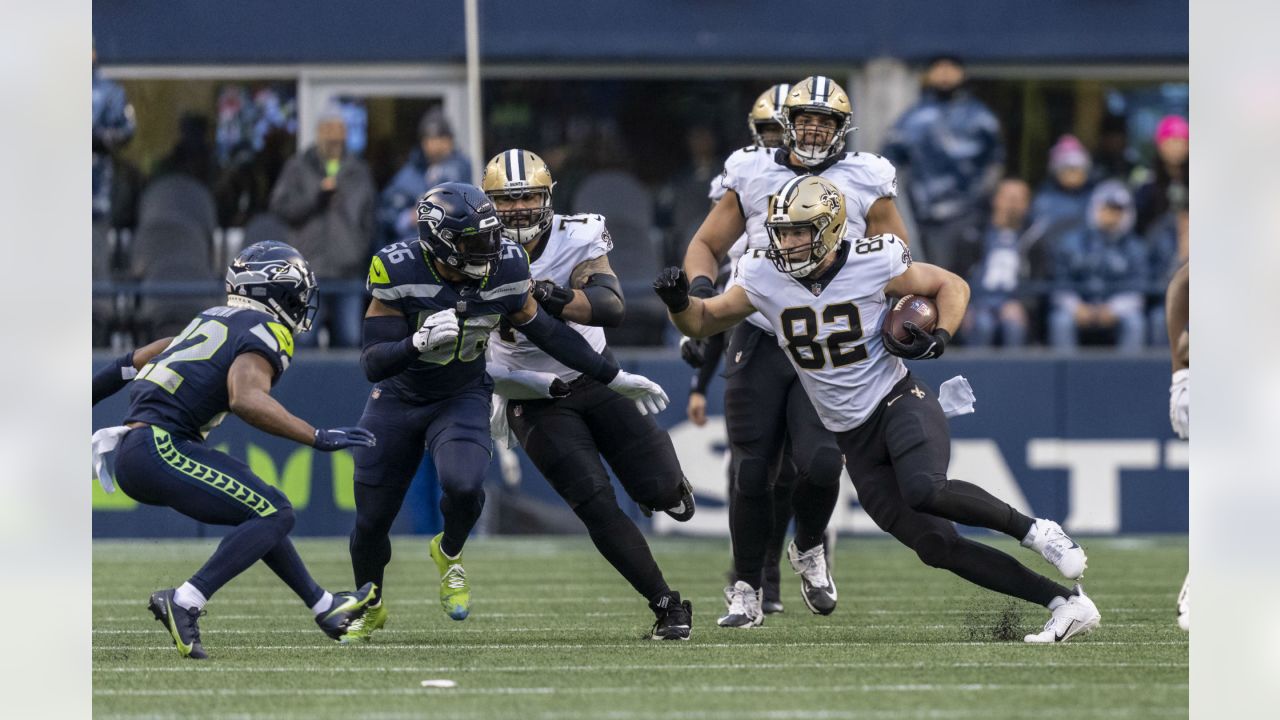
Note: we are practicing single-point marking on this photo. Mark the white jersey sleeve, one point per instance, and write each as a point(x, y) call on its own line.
point(738, 168)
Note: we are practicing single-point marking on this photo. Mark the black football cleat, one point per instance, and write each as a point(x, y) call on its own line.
point(347, 607)
point(180, 622)
point(674, 618)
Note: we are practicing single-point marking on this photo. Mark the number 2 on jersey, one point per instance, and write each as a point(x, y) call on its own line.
point(159, 371)
point(800, 327)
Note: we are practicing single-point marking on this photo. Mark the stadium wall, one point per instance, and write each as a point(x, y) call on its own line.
point(1083, 439)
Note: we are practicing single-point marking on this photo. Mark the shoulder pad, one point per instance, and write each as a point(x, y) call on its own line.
point(396, 264)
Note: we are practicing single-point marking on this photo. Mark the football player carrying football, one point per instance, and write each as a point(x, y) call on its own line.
point(825, 296)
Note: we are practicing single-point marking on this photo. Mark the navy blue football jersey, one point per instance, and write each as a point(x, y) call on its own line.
point(402, 277)
point(184, 388)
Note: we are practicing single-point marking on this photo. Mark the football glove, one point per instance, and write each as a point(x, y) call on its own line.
point(343, 437)
point(693, 351)
point(649, 396)
point(552, 297)
point(673, 289)
point(1180, 403)
point(438, 331)
point(921, 346)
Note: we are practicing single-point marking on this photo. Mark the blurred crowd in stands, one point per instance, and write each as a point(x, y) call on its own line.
point(1082, 259)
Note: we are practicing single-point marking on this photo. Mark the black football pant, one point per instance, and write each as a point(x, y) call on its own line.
point(766, 406)
point(898, 460)
point(565, 439)
point(456, 431)
point(155, 467)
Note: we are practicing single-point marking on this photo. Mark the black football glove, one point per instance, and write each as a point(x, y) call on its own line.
point(559, 388)
point(673, 289)
point(921, 346)
point(551, 296)
point(343, 437)
point(693, 351)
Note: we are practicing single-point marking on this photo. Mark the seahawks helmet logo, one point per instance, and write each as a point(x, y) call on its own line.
point(430, 214)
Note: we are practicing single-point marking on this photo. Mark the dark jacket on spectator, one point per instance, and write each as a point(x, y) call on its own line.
point(953, 151)
point(1097, 266)
point(331, 230)
point(396, 217)
point(1055, 204)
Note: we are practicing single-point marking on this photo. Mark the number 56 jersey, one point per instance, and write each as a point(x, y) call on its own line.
point(830, 327)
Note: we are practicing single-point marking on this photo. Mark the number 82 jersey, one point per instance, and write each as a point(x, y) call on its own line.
point(831, 331)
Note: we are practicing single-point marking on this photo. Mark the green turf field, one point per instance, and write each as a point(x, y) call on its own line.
point(555, 633)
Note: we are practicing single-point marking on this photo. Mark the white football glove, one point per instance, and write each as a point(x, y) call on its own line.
point(1180, 403)
point(649, 396)
point(438, 331)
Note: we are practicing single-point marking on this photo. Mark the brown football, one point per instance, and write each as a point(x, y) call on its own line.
point(916, 309)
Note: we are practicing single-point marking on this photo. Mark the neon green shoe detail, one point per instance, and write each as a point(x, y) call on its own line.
point(455, 591)
point(375, 616)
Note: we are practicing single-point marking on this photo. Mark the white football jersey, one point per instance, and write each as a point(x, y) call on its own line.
point(572, 240)
point(833, 338)
point(755, 173)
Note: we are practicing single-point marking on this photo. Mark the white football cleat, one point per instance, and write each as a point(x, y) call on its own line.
point(744, 607)
point(1184, 605)
point(1077, 616)
point(816, 584)
point(1047, 538)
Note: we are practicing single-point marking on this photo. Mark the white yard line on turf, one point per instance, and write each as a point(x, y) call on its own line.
point(665, 667)
point(561, 629)
point(610, 644)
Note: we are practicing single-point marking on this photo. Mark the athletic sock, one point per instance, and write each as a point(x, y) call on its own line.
point(323, 604)
point(189, 597)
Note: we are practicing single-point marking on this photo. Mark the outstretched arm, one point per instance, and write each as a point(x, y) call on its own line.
point(249, 397)
point(697, 317)
point(562, 342)
point(113, 377)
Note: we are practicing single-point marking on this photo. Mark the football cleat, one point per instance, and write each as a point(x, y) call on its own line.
point(682, 511)
point(674, 618)
point(1077, 616)
point(455, 591)
point(180, 622)
point(1048, 539)
point(346, 609)
point(1184, 605)
point(361, 629)
point(744, 607)
point(817, 587)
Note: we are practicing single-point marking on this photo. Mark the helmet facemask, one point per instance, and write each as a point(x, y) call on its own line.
point(797, 260)
point(524, 225)
point(811, 142)
point(809, 203)
point(474, 252)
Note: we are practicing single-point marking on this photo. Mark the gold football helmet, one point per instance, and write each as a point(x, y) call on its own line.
point(806, 202)
point(816, 94)
point(514, 175)
point(765, 113)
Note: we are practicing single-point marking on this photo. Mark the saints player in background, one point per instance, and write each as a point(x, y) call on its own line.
point(764, 403)
point(826, 296)
point(565, 434)
point(1177, 301)
point(704, 356)
point(435, 302)
point(226, 360)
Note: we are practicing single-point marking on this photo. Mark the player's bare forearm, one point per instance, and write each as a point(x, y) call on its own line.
point(1177, 306)
point(883, 217)
point(723, 225)
point(704, 318)
point(249, 397)
point(578, 310)
point(949, 291)
point(147, 353)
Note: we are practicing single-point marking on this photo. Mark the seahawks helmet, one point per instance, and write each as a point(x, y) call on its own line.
point(816, 94)
point(514, 174)
point(273, 277)
point(458, 226)
point(764, 113)
point(809, 202)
